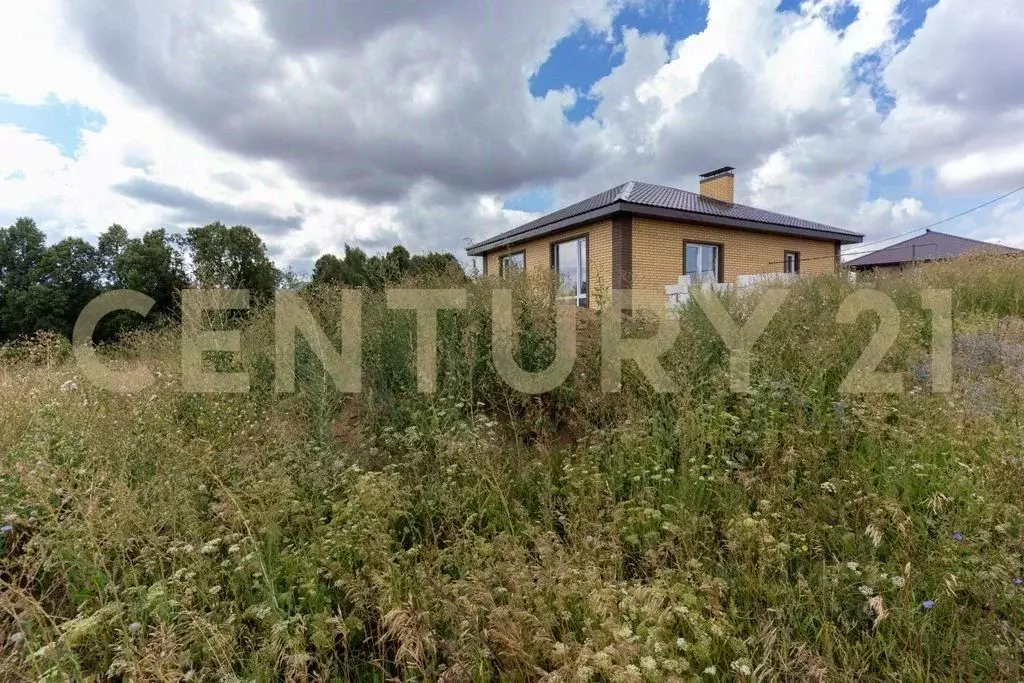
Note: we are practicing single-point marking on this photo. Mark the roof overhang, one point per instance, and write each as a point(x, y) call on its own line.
point(644, 211)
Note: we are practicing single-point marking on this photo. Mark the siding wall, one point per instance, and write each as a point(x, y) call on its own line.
point(658, 247)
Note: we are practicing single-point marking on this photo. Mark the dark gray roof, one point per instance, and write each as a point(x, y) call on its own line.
point(928, 247)
point(665, 202)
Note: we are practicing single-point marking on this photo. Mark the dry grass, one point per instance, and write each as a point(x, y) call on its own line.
point(791, 534)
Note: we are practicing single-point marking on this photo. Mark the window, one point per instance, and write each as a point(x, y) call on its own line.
point(510, 264)
point(570, 261)
point(702, 261)
point(791, 262)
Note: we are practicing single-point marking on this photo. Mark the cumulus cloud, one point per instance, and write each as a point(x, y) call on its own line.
point(322, 122)
point(959, 95)
point(781, 96)
point(359, 100)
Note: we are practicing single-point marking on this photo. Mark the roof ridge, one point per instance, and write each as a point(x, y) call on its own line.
point(961, 237)
point(627, 189)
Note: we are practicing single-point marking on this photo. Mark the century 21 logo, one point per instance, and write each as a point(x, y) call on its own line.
point(292, 316)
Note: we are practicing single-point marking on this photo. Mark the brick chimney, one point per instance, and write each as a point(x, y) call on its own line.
point(719, 184)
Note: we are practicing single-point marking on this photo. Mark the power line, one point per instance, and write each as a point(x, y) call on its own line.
point(860, 248)
point(932, 225)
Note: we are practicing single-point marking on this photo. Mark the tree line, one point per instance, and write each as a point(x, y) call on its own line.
point(43, 288)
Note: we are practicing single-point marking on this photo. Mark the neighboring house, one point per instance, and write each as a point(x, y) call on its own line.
point(931, 246)
point(643, 236)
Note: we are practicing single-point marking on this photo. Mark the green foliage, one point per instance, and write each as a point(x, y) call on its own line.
point(357, 269)
point(44, 289)
point(793, 533)
point(231, 258)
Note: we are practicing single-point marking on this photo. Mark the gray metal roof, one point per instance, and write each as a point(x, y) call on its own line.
point(668, 202)
point(930, 246)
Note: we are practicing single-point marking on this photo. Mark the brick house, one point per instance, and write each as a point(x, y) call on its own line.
point(643, 236)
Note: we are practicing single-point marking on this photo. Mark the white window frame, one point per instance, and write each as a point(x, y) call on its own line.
point(580, 290)
point(716, 274)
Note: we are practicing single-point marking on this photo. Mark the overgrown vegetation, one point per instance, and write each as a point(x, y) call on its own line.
point(793, 533)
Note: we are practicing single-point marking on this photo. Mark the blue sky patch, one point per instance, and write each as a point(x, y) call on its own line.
point(789, 6)
point(846, 15)
point(913, 13)
point(535, 200)
point(581, 59)
point(893, 186)
point(868, 69)
point(839, 20)
point(62, 124)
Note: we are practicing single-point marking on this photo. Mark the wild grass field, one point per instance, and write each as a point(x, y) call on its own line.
point(792, 533)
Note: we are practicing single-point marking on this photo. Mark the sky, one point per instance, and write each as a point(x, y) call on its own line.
point(433, 124)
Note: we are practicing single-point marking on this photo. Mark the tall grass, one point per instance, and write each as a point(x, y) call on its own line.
point(479, 534)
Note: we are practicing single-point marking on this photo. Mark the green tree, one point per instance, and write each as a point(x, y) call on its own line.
point(153, 266)
point(66, 278)
point(231, 258)
point(357, 269)
point(328, 270)
point(21, 247)
point(111, 245)
point(436, 263)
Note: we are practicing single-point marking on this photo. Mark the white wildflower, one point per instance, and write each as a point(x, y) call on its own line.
point(648, 664)
point(741, 668)
point(898, 581)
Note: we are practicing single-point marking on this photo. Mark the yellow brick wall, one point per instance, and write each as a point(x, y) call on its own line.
point(658, 252)
point(538, 254)
point(722, 188)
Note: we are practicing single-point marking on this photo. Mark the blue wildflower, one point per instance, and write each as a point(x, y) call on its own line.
point(6, 529)
point(1018, 581)
point(928, 604)
point(958, 537)
point(840, 410)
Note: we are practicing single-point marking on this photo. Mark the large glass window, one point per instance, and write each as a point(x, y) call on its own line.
point(571, 266)
point(702, 261)
point(511, 264)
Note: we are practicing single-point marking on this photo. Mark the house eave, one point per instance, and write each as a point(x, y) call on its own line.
point(495, 244)
point(645, 211)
